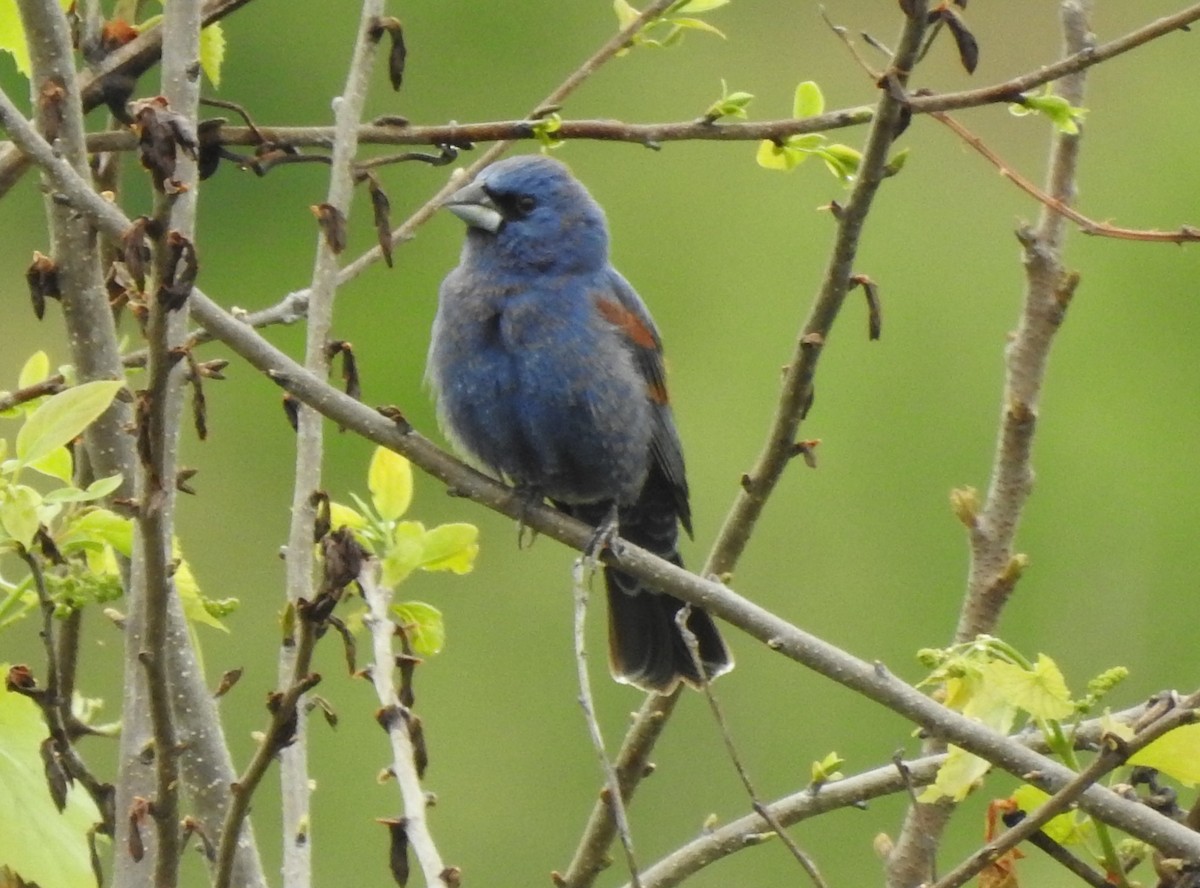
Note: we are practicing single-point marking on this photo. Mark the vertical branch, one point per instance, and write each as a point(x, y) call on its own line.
point(397, 720)
point(995, 568)
point(309, 442)
point(779, 448)
point(203, 760)
point(91, 330)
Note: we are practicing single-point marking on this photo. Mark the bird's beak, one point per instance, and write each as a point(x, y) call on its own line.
point(474, 206)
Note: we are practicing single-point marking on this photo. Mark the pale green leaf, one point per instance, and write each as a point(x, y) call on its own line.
point(96, 490)
point(1069, 828)
point(12, 36)
point(776, 157)
point(19, 513)
point(341, 515)
point(809, 101)
point(959, 774)
point(698, 25)
point(626, 14)
point(1042, 691)
point(64, 416)
point(212, 52)
point(38, 842)
point(423, 626)
point(404, 553)
point(390, 480)
point(35, 370)
point(1176, 753)
point(695, 7)
point(191, 598)
point(57, 464)
point(103, 526)
point(451, 547)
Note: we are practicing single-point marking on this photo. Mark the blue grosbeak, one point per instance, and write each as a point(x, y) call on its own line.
point(548, 371)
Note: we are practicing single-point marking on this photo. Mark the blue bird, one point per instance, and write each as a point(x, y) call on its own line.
point(547, 369)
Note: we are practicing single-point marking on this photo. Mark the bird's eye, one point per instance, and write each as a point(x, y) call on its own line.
point(526, 204)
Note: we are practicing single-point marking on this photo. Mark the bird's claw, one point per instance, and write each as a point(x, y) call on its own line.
point(606, 536)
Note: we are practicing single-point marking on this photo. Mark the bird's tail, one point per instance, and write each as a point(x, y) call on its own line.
point(645, 646)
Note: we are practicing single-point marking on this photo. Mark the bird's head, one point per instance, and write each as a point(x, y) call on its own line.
point(529, 212)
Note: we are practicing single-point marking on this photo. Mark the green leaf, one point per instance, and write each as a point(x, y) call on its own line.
point(809, 101)
point(695, 7)
point(19, 513)
point(771, 156)
point(698, 25)
point(826, 769)
point(404, 552)
point(12, 36)
point(958, 775)
point(731, 104)
point(57, 464)
point(390, 481)
point(61, 418)
point(451, 547)
point(102, 526)
point(1176, 753)
point(96, 490)
point(1041, 691)
point(212, 52)
point(194, 603)
point(423, 626)
point(626, 14)
point(35, 370)
point(1066, 829)
point(37, 842)
point(341, 515)
point(842, 160)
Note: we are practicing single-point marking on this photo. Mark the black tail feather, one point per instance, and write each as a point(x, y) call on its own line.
point(645, 646)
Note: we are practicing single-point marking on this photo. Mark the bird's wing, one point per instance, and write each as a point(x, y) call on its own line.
point(622, 307)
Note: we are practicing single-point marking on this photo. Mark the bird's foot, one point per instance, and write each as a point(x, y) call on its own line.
point(606, 536)
point(529, 497)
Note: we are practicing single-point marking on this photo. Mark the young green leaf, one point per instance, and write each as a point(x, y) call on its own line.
point(626, 14)
point(390, 481)
point(698, 25)
point(19, 513)
point(35, 370)
point(809, 101)
point(1066, 829)
point(102, 526)
point(695, 7)
point(341, 515)
point(1042, 691)
point(212, 52)
point(60, 855)
point(423, 626)
point(57, 464)
point(1176, 753)
point(62, 417)
point(451, 547)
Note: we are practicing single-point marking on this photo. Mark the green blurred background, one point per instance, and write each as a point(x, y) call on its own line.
point(863, 551)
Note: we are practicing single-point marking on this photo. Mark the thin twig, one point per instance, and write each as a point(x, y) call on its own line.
point(806, 862)
point(1184, 234)
point(279, 734)
point(611, 795)
point(396, 719)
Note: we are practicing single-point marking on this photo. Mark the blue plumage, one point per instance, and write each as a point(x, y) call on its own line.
point(547, 369)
